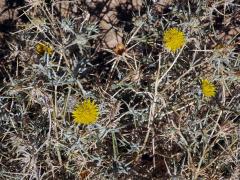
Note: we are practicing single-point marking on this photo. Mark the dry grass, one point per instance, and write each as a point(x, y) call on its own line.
point(154, 123)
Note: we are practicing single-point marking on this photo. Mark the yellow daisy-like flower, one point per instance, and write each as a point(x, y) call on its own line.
point(173, 39)
point(41, 48)
point(86, 112)
point(208, 88)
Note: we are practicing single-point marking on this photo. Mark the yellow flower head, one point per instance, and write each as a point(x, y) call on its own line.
point(119, 49)
point(86, 112)
point(173, 39)
point(208, 88)
point(42, 48)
